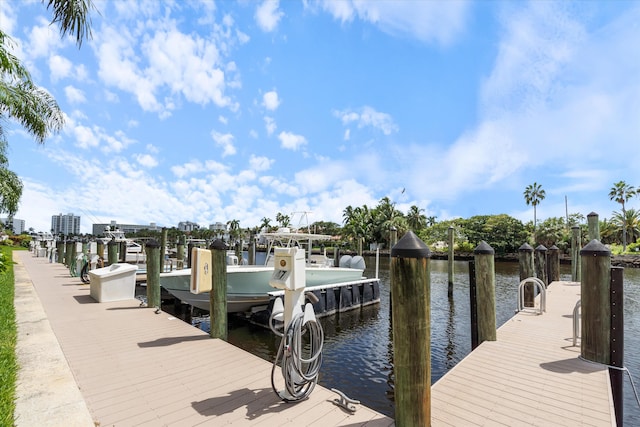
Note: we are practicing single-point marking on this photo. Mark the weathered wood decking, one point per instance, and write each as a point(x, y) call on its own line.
point(530, 376)
point(137, 368)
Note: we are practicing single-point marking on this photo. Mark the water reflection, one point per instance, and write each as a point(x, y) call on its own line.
point(358, 349)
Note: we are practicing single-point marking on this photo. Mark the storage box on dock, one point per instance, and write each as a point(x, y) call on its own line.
point(114, 283)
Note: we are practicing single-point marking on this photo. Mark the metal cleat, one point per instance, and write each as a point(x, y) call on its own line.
point(344, 401)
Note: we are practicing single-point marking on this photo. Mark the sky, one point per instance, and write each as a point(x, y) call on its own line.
point(208, 111)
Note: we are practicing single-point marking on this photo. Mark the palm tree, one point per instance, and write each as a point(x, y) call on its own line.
point(533, 195)
point(630, 222)
point(621, 192)
point(10, 184)
point(234, 230)
point(265, 224)
point(22, 100)
point(283, 220)
point(415, 219)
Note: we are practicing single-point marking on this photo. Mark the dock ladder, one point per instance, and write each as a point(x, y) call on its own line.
point(542, 289)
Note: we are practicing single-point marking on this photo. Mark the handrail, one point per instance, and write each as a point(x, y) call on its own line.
point(543, 295)
point(576, 322)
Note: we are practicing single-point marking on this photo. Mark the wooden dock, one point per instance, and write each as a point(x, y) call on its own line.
point(531, 376)
point(134, 367)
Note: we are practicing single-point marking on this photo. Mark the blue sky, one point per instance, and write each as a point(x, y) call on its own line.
point(213, 111)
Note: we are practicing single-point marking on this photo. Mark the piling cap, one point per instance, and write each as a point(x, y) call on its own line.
point(592, 214)
point(554, 248)
point(218, 244)
point(153, 243)
point(484, 248)
point(525, 248)
point(410, 246)
point(541, 248)
point(595, 248)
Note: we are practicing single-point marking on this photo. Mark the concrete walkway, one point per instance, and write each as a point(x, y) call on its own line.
point(84, 363)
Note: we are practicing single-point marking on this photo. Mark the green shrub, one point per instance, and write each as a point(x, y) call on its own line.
point(8, 338)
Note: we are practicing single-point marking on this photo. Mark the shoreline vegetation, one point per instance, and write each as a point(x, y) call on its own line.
point(627, 261)
point(8, 337)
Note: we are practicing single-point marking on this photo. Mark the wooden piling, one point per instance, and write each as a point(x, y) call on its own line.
point(252, 250)
point(218, 294)
point(595, 289)
point(553, 264)
point(189, 253)
point(576, 243)
point(163, 249)
point(180, 252)
point(411, 323)
point(594, 226)
point(450, 261)
point(112, 252)
point(541, 264)
point(100, 250)
point(153, 273)
point(68, 255)
point(525, 263)
point(484, 257)
point(60, 248)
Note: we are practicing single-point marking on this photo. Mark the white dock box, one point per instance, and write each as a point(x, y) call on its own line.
point(114, 283)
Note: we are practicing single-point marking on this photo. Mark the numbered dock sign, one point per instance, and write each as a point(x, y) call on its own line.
point(200, 271)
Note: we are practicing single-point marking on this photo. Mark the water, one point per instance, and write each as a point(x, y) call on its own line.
point(357, 356)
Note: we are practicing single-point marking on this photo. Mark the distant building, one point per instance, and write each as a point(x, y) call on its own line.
point(15, 225)
point(98, 229)
point(220, 230)
point(65, 224)
point(188, 226)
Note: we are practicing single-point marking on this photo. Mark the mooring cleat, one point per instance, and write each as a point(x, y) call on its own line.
point(344, 401)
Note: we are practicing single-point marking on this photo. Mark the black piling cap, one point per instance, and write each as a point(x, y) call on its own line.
point(410, 246)
point(554, 248)
point(153, 243)
point(525, 248)
point(595, 248)
point(484, 248)
point(541, 248)
point(218, 244)
point(592, 214)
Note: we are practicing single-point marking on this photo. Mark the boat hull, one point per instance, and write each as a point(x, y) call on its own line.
point(248, 286)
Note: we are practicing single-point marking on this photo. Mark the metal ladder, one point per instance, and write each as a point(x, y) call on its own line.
point(543, 295)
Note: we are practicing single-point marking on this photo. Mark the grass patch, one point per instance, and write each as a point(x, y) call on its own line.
point(8, 337)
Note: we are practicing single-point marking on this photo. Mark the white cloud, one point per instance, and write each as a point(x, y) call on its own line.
point(291, 141)
point(270, 125)
point(270, 100)
point(74, 95)
point(368, 117)
point(146, 160)
point(59, 67)
point(224, 140)
point(43, 39)
point(267, 15)
point(427, 21)
point(259, 163)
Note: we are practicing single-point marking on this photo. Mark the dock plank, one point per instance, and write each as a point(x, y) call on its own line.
point(531, 375)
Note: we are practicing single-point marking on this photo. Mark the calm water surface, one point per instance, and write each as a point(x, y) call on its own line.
point(358, 352)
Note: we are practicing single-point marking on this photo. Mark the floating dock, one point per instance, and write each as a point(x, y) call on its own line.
point(128, 366)
point(531, 376)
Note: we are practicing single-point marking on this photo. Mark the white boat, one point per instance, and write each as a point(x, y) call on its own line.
point(135, 253)
point(248, 285)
